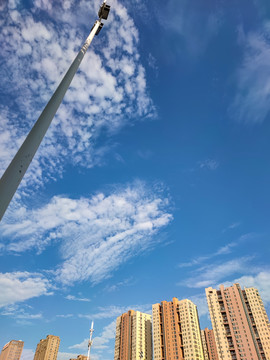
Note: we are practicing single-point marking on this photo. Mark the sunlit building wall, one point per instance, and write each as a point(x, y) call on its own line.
point(12, 350)
point(80, 357)
point(204, 345)
point(133, 339)
point(209, 344)
point(176, 331)
point(240, 323)
point(47, 349)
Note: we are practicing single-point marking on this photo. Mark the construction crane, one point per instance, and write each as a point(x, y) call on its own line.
point(13, 175)
point(90, 341)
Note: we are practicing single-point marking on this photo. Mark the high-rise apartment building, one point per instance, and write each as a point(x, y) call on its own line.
point(80, 357)
point(204, 345)
point(240, 323)
point(47, 349)
point(133, 339)
point(12, 350)
point(176, 331)
point(209, 344)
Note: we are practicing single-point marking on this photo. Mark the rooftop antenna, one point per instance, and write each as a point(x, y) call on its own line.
point(13, 175)
point(90, 341)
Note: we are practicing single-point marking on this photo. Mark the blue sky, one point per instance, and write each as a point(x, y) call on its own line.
point(153, 179)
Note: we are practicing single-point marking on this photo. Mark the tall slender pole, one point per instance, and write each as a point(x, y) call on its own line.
point(90, 341)
point(14, 173)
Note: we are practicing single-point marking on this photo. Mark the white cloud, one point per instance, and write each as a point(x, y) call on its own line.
point(21, 313)
point(27, 354)
point(210, 275)
point(209, 164)
point(194, 25)
point(226, 249)
point(20, 286)
point(231, 226)
point(252, 100)
point(223, 250)
point(75, 298)
point(114, 311)
point(116, 286)
point(108, 92)
point(97, 234)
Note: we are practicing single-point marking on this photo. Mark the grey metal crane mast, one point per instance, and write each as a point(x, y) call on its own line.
point(13, 175)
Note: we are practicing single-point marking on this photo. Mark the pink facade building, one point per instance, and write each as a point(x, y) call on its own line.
point(240, 324)
point(209, 344)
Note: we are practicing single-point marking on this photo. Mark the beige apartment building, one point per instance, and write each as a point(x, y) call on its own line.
point(12, 350)
point(240, 323)
point(176, 331)
point(80, 357)
point(47, 349)
point(209, 344)
point(133, 339)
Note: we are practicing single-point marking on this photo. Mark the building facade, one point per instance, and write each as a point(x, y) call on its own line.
point(47, 349)
point(133, 339)
point(204, 345)
point(209, 344)
point(12, 350)
point(176, 331)
point(240, 323)
point(80, 357)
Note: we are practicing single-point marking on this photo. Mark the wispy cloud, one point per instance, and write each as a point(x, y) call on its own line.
point(20, 313)
point(114, 287)
point(20, 286)
point(209, 164)
point(113, 311)
point(232, 226)
point(97, 234)
point(194, 26)
point(65, 316)
point(225, 249)
point(210, 275)
point(252, 100)
point(75, 298)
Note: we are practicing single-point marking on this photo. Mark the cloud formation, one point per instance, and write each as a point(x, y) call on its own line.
point(108, 92)
point(20, 286)
point(20, 313)
point(195, 26)
point(97, 234)
point(252, 101)
point(209, 164)
point(211, 274)
point(113, 311)
point(75, 298)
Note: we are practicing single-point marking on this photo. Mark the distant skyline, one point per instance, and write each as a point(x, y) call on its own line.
point(153, 179)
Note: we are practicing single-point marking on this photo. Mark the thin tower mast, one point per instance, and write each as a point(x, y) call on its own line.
point(90, 341)
point(13, 175)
